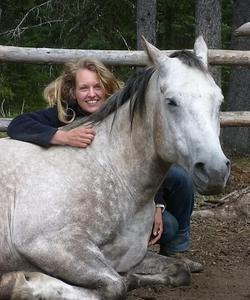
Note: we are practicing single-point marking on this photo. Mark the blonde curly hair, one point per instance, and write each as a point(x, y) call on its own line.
point(60, 92)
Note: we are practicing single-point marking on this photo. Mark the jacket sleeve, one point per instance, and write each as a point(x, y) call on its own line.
point(159, 198)
point(36, 127)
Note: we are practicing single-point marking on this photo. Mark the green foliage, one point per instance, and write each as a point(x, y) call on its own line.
point(5, 91)
point(227, 15)
point(176, 24)
point(227, 9)
point(22, 87)
point(6, 95)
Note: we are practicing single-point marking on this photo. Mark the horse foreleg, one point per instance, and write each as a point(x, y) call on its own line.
point(77, 261)
point(156, 269)
point(38, 286)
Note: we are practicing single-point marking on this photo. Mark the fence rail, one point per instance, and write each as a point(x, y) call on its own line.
point(227, 119)
point(109, 57)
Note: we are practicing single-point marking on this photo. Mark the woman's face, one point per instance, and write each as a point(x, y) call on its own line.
point(89, 93)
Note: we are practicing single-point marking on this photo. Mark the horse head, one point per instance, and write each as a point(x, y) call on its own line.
point(187, 122)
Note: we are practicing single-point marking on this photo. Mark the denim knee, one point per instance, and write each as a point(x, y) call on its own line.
point(179, 243)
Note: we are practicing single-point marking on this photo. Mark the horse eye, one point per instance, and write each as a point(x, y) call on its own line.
point(171, 102)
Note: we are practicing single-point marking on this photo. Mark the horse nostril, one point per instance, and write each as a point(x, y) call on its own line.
point(199, 166)
point(228, 163)
point(200, 170)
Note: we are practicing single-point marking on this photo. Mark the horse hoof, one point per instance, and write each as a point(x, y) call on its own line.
point(194, 267)
point(181, 275)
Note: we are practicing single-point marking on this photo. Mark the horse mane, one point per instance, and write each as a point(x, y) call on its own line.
point(134, 92)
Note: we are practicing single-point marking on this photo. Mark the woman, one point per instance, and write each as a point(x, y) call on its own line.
point(80, 91)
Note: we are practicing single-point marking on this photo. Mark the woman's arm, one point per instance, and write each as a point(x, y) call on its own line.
point(157, 229)
point(36, 127)
point(41, 128)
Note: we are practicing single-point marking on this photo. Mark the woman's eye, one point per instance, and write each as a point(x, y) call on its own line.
point(83, 88)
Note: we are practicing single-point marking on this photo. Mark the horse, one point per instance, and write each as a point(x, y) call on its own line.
point(75, 223)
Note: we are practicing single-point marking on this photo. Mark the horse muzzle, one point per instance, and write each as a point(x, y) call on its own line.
point(211, 178)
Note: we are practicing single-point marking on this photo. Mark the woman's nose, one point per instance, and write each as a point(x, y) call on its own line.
point(91, 92)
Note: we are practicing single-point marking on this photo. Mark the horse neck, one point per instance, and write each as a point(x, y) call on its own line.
point(132, 153)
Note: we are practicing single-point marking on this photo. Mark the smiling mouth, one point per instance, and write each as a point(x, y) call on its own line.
point(92, 101)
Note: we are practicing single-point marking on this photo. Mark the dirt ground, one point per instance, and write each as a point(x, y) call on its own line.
point(222, 246)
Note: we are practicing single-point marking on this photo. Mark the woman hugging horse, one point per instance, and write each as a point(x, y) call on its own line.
point(81, 90)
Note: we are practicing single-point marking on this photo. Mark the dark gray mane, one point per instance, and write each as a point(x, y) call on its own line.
point(134, 91)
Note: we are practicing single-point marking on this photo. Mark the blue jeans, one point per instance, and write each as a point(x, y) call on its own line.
point(177, 193)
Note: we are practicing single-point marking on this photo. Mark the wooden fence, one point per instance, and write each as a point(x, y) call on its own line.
point(109, 57)
point(129, 58)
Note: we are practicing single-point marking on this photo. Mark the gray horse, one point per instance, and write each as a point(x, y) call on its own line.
point(75, 223)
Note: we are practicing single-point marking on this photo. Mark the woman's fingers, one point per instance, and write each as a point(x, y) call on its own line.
point(81, 137)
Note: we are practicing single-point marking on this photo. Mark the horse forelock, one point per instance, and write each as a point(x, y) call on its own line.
point(189, 59)
point(133, 92)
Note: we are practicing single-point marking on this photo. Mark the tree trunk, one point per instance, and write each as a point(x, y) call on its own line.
point(237, 140)
point(146, 21)
point(208, 23)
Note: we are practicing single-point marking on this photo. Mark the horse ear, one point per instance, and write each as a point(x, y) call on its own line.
point(154, 54)
point(200, 50)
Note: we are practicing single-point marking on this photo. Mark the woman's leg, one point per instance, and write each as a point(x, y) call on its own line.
point(178, 192)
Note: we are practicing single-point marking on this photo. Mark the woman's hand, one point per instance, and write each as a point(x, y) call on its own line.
point(80, 137)
point(157, 227)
